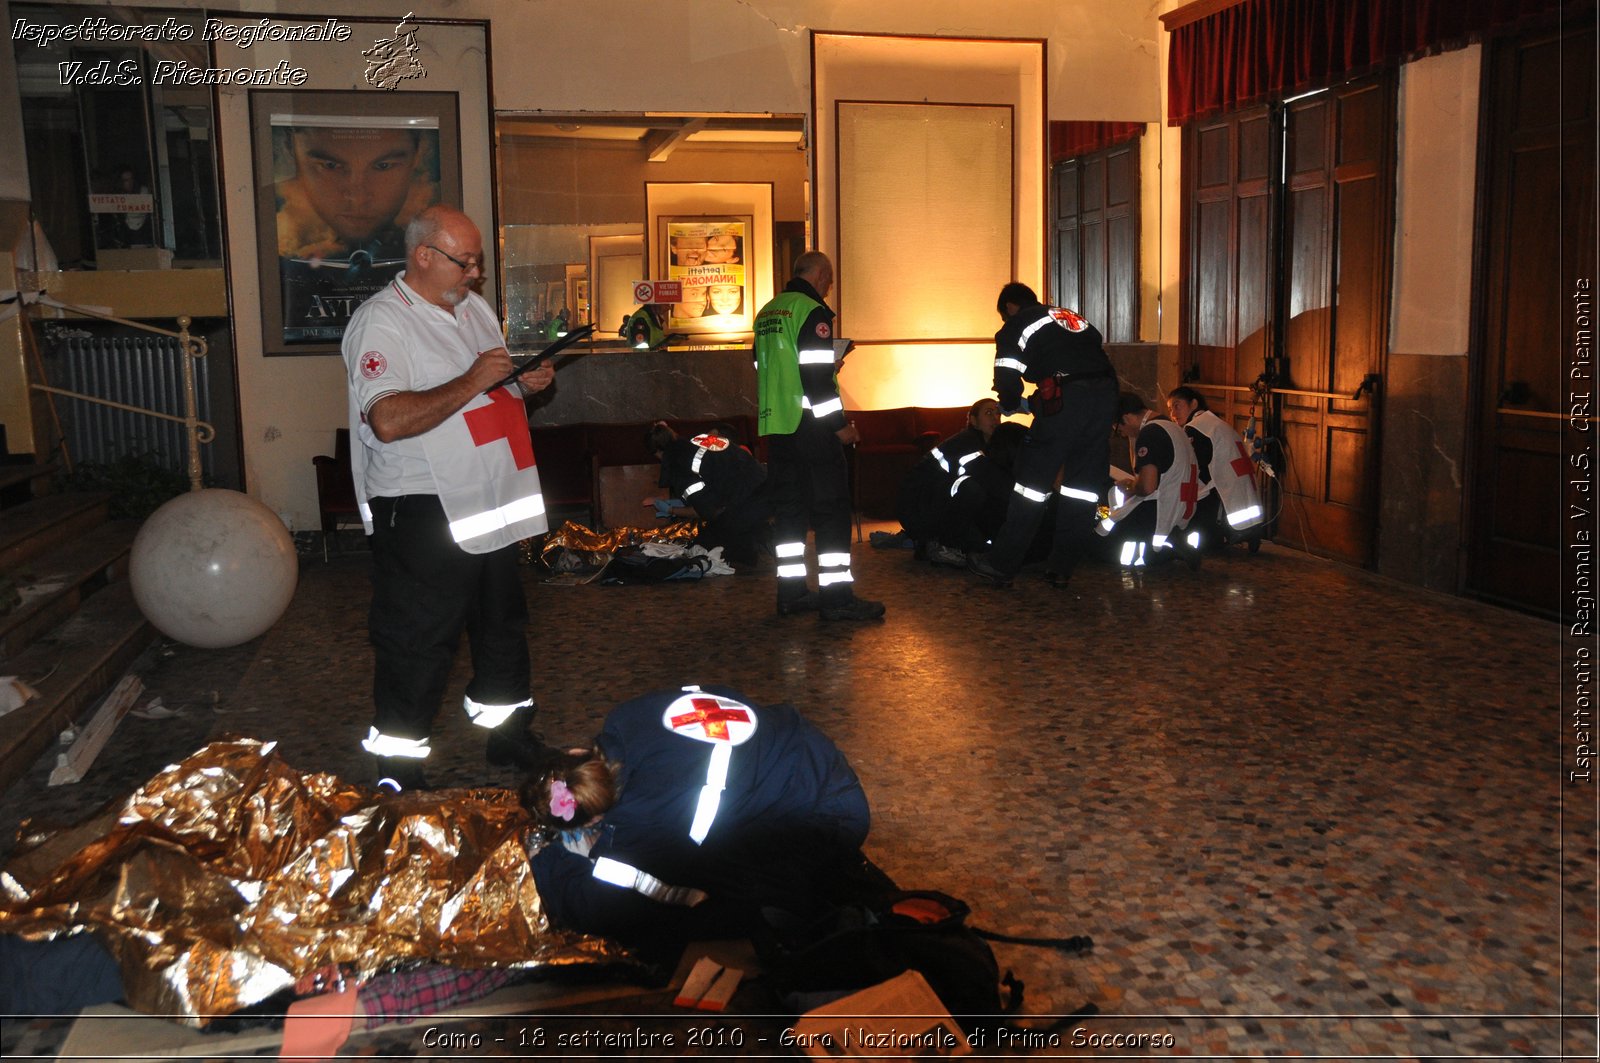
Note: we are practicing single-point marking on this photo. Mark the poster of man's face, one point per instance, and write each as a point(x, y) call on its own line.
point(345, 186)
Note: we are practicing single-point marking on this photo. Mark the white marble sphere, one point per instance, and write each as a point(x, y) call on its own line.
point(213, 568)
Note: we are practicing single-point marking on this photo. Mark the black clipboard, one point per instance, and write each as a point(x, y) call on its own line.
point(533, 360)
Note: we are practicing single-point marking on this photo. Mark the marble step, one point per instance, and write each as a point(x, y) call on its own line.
point(42, 523)
point(72, 667)
point(53, 584)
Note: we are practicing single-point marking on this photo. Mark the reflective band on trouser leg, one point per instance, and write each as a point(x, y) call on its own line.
point(631, 878)
point(491, 716)
point(1158, 541)
point(793, 560)
point(1239, 517)
point(1030, 494)
point(1077, 493)
point(1133, 553)
point(705, 811)
point(493, 520)
point(833, 568)
point(381, 745)
point(1193, 539)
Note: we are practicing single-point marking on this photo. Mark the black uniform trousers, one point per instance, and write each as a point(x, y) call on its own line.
point(425, 591)
point(1077, 443)
point(808, 485)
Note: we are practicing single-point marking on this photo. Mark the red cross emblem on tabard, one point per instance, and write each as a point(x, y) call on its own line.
point(504, 418)
point(710, 715)
point(1189, 491)
point(1242, 464)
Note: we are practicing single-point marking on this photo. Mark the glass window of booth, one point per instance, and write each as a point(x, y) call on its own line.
point(579, 196)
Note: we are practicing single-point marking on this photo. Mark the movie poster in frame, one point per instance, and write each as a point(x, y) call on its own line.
point(710, 255)
point(337, 177)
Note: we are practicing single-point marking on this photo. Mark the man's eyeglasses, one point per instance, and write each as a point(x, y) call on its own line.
point(466, 267)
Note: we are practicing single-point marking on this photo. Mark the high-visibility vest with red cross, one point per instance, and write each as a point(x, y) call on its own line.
point(1178, 490)
point(481, 456)
point(1233, 473)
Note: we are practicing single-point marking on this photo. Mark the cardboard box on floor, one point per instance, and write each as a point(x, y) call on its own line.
point(900, 1017)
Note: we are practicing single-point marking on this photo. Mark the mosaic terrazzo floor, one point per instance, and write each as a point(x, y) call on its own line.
point(1302, 810)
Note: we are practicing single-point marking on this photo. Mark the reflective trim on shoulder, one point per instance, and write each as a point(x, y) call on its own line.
point(705, 811)
point(1027, 333)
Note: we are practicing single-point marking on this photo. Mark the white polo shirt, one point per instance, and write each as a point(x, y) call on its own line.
point(479, 460)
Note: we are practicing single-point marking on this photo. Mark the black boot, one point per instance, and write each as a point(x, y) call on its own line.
point(400, 774)
point(515, 743)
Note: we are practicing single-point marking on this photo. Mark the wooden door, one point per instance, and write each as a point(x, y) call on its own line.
point(1228, 251)
point(1097, 239)
point(1538, 241)
point(1337, 204)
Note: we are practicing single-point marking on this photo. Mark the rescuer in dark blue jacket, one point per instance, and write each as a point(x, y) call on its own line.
point(695, 809)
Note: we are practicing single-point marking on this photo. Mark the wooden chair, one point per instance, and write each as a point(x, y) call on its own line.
point(336, 490)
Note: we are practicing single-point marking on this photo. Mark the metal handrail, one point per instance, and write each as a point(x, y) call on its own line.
point(1269, 390)
point(196, 430)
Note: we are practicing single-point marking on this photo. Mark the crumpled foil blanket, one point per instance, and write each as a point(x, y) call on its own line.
point(230, 875)
point(574, 536)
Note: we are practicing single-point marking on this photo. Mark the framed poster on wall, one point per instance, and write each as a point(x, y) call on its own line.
point(716, 238)
point(708, 254)
point(337, 177)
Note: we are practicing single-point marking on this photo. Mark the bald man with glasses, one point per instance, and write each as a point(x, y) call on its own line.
point(447, 485)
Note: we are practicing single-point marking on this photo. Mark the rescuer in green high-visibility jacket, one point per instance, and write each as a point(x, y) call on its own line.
point(802, 417)
point(644, 328)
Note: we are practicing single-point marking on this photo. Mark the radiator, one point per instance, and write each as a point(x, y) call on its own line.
point(140, 370)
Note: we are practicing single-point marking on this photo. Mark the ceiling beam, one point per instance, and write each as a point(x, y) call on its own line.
point(659, 145)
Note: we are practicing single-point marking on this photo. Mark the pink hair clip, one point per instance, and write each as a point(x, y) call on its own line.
point(562, 804)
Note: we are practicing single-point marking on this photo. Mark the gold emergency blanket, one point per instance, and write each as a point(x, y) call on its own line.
point(574, 536)
point(230, 875)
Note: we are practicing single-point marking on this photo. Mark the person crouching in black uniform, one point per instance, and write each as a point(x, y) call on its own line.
point(955, 498)
point(1073, 405)
point(723, 482)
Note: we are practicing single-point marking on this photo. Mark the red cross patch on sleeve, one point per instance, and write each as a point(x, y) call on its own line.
point(823, 331)
point(373, 365)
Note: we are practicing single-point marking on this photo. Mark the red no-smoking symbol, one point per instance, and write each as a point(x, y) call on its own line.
point(642, 292)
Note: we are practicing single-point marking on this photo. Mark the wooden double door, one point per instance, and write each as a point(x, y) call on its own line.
point(1286, 296)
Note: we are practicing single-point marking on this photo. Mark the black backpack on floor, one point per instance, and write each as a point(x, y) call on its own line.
point(869, 931)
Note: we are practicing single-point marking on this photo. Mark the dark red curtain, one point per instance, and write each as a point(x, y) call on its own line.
point(1068, 139)
point(1263, 48)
